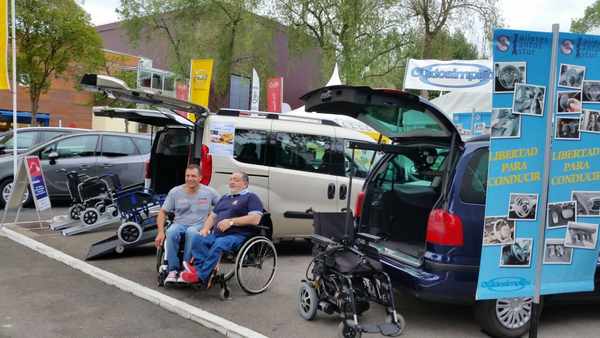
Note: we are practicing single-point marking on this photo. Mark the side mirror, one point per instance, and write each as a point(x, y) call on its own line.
point(52, 157)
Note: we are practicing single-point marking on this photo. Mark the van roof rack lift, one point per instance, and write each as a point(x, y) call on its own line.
point(274, 116)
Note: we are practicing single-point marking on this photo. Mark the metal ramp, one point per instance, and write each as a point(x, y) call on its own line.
point(114, 245)
point(63, 221)
point(104, 220)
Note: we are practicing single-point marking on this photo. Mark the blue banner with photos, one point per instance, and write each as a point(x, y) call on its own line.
point(515, 182)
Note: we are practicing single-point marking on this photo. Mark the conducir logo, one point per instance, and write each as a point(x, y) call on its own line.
point(506, 284)
point(454, 75)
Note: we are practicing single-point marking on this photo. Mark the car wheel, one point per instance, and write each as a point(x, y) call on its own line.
point(508, 317)
point(5, 190)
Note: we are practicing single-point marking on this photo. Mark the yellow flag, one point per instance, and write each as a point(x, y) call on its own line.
point(4, 84)
point(200, 75)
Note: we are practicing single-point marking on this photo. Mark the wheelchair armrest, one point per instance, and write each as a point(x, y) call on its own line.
point(368, 237)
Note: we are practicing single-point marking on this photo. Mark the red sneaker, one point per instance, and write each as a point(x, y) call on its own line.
point(190, 277)
point(189, 267)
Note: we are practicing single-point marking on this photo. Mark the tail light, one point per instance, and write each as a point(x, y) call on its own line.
point(444, 228)
point(206, 165)
point(360, 199)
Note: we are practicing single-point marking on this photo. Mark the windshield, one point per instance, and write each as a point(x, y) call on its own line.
point(405, 121)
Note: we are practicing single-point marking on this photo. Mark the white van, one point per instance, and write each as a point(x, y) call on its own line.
point(296, 165)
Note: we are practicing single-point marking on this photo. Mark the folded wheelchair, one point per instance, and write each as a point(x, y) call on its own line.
point(90, 197)
point(253, 264)
point(345, 276)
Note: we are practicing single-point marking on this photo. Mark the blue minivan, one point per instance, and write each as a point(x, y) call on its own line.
point(426, 198)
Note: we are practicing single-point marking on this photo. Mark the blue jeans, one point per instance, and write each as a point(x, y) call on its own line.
point(174, 233)
point(207, 251)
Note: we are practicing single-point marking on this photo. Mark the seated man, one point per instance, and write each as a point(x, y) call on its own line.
point(190, 202)
point(233, 211)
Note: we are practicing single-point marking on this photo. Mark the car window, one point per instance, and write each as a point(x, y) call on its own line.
point(77, 146)
point(363, 160)
point(25, 140)
point(174, 142)
point(48, 135)
point(114, 146)
point(399, 121)
point(474, 182)
point(311, 153)
point(250, 146)
point(144, 145)
point(416, 166)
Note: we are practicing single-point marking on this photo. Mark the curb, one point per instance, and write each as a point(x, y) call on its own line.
point(185, 310)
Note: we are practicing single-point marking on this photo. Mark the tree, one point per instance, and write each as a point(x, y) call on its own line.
point(361, 35)
point(53, 37)
point(589, 21)
point(225, 30)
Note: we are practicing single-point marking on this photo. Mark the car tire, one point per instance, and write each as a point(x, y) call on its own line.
point(486, 315)
point(28, 202)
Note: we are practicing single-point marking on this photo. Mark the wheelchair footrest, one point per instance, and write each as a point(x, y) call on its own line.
point(387, 329)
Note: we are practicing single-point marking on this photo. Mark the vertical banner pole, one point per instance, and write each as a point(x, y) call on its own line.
point(14, 86)
point(546, 178)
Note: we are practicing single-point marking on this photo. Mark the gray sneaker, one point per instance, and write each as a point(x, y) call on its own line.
point(171, 277)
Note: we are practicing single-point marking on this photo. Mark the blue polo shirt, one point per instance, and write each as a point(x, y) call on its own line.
point(230, 206)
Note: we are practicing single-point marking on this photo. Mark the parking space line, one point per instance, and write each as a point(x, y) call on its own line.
point(185, 310)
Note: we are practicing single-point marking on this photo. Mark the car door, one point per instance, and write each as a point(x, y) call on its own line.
point(300, 177)
point(75, 153)
point(119, 156)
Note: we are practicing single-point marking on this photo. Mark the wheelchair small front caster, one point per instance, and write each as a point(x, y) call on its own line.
point(225, 294)
point(347, 331)
point(389, 319)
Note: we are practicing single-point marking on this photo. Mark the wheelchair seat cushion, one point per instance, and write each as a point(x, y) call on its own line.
point(349, 262)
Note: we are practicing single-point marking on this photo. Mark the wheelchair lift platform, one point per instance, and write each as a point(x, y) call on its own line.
point(114, 245)
point(63, 221)
point(82, 227)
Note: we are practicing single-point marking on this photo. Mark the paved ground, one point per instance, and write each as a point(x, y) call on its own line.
point(274, 312)
point(40, 297)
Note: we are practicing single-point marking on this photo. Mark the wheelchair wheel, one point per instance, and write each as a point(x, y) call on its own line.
point(389, 318)
point(308, 301)
point(160, 257)
point(90, 216)
point(129, 232)
point(227, 266)
point(347, 331)
point(255, 265)
point(75, 211)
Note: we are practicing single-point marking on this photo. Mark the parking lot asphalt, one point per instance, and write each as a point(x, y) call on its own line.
point(40, 297)
point(273, 313)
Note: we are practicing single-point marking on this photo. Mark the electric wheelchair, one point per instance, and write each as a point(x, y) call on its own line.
point(345, 276)
point(253, 264)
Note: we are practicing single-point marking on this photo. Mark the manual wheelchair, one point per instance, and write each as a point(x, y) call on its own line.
point(344, 276)
point(253, 264)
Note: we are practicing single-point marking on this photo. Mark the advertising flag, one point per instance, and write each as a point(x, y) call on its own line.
point(274, 94)
point(200, 77)
point(4, 84)
point(255, 97)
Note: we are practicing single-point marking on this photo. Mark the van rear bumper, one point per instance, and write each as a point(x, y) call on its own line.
point(437, 282)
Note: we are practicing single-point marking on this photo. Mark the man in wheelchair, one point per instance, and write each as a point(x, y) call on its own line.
point(224, 230)
point(190, 203)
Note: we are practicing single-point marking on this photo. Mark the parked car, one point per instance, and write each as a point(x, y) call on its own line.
point(93, 153)
point(296, 165)
point(426, 199)
point(30, 137)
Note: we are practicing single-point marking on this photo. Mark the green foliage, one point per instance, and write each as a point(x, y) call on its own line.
point(54, 38)
point(226, 31)
point(589, 21)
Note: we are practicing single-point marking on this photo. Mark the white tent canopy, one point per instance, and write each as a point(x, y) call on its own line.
point(464, 102)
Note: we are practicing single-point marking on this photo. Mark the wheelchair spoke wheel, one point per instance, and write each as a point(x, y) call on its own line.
point(256, 265)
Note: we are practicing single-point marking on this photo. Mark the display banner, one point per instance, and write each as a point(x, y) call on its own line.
point(255, 97)
point(274, 94)
point(200, 77)
point(516, 165)
point(515, 182)
point(4, 83)
point(455, 75)
point(571, 248)
point(37, 183)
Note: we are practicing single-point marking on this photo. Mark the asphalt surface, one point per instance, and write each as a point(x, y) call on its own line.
point(273, 313)
point(40, 297)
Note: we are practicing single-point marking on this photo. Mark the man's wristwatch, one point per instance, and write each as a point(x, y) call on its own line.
point(231, 223)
